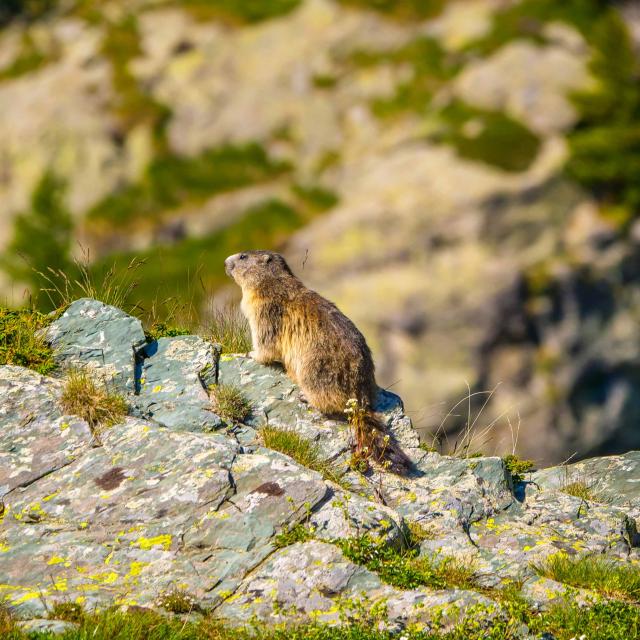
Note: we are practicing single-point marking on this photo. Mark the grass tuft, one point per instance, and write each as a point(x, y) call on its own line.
point(177, 601)
point(7, 622)
point(67, 611)
point(227, 327)
point(578, 490)
point(22, 344)
point(603, 575)
point(92, 401)
point(229, 403)
point(302, 450)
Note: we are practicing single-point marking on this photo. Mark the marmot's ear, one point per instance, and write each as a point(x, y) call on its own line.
point(266, 258)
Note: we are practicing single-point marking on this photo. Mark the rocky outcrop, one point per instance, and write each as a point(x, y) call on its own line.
point(173, 498)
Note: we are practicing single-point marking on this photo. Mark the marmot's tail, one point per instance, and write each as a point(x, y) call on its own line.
point(383, 447)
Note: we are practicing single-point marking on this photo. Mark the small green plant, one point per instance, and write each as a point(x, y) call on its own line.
point(418, 533)
point(177, 601)
point(603, 575)
point(229, 403)
point(227, 327)
point(303, 451)
point(163, 330)
point(21, 340)
point(289, 536)
point(93, 401)
point(68, 611)
point(404, 568)
point(578, 490)
point(517, 467)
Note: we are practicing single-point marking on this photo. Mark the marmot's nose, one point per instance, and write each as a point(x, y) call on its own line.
point(229, 262)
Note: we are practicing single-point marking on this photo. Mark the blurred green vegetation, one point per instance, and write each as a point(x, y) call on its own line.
point(29, 59)
point(431, 67)
point(528, 18)
point(133, 106)
point(403, 9)
point(605, 146)
point(42, 238)
point(171, 180)
point(247, 11)
point(487, 136)
point(194, 267)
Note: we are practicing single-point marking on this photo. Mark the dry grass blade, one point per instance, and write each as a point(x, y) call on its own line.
point(114, 288)
point(228, 327)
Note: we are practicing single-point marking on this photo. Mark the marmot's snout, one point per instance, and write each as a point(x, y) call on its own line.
point(231, 261)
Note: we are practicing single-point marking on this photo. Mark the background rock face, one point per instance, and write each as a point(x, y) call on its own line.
point(157, 503)
point(412, 170)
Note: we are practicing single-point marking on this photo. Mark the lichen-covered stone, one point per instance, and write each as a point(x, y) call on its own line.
point(94, 335)
point(174, 374)
point(167, 500)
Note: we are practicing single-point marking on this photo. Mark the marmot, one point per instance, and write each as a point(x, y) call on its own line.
point(321, 350)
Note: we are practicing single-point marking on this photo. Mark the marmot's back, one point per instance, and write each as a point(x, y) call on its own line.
point(320, 348)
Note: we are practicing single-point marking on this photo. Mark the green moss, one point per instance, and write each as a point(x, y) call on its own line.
point(301, 449)
point(487, 136)
point(517, 467)
point(229, 403)
point(171, 180)
point(608, 577)
point(21, 343)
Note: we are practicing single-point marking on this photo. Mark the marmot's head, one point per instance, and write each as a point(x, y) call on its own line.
point(257, 269)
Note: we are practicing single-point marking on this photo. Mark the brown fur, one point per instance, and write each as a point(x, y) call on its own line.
point(321, 349)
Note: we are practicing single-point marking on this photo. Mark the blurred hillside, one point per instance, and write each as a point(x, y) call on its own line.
point(459, 177)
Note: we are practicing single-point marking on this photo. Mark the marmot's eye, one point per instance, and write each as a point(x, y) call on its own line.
point(243, 256)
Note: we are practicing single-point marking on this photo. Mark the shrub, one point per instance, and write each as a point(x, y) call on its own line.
point(92, 401)
point(517, 467)
point(229, 403)
point(21, 341)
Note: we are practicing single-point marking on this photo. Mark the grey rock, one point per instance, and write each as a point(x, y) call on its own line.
point(99, 337)
point(44, 625)
point(174, 375)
